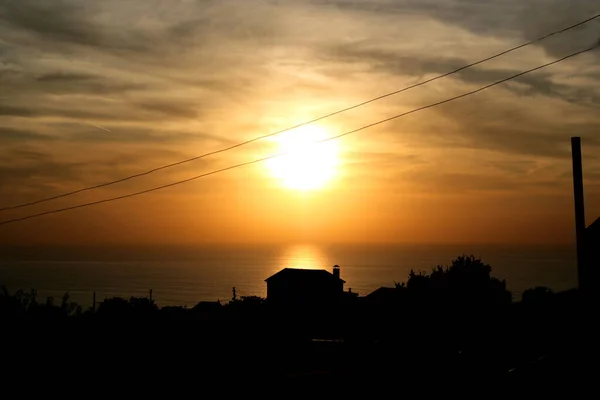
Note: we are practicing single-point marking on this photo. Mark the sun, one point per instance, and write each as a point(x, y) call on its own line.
point(307, 164)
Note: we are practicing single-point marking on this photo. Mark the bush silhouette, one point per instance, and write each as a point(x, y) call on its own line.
point(119, 308)
point(24, 304)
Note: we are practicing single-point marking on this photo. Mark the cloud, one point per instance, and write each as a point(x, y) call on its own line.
point(29, 167)
point(522, 127)
point(396, 62)
point(61, 82)
point(67, 22)
point(8, 134)
point(89, 134)
point(390, 61)
point(149, 110)
point(515, 166)
point(64, 112)
point(134, 135)
point(28, 173)
point(181, 110)
point(63, 77)
point(506, 18)
point(373, 164)
point(172, 80)
point(545, 85)
point(13, 111)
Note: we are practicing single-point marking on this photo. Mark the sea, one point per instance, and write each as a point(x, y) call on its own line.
point(186, 275)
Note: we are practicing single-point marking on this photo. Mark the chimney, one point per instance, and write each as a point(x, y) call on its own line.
point(579, 212)
point(336, 271)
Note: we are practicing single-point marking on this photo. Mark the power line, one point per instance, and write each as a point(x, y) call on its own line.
point(138, 175)
point(288, 152)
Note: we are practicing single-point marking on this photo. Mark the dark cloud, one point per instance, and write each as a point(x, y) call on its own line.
point(90, 133)
point(8, 70)
point(75, 82)
point(143, 111)
point(26, 167)
point(68, 22)
point(16, 111)
point(393, 63)
point(169, 108)
point(544, 85)
point(506, 18)
point(537, 83)
point(8, 134)
point(27, 174)
point(213, 27)
point(65, 77)
point(491, 124)
point(200, 38)
point(46, 111)
point(118, 28)
point(389, 61)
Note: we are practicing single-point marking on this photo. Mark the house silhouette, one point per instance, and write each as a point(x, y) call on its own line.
point(592, 238)
point(295, 286)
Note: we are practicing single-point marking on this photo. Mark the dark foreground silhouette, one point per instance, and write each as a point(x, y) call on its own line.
point(454, 330)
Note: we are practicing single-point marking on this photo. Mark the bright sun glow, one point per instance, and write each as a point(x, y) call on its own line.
point(307, 165)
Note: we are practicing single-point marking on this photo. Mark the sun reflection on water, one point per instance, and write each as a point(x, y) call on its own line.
point(303, 256)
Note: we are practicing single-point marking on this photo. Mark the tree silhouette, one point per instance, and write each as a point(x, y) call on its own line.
point(467, 281)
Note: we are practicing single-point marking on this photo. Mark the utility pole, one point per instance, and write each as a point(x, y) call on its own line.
point(234, 296)
point(582, 272)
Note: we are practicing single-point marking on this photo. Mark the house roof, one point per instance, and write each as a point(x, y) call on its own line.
point(595, 226)
point(302, 274)
point(381, 292)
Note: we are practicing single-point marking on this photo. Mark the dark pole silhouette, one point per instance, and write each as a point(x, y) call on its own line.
point(579, 212)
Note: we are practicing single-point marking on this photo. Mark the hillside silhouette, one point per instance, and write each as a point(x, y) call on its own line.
point(451, 324)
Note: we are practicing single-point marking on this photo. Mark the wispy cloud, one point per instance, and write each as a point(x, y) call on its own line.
point(101, 127)
point(131, 85)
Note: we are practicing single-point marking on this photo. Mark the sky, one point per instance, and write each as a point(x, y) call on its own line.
point(92, 91)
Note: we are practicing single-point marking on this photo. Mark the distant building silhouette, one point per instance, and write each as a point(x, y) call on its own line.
point(208, 306)
point(305, 286)
point(382, 295)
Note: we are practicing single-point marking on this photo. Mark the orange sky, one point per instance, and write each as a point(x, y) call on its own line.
point(94, 91)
